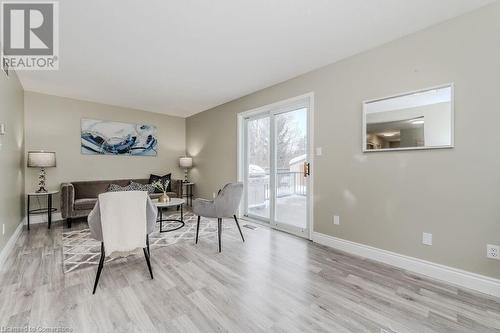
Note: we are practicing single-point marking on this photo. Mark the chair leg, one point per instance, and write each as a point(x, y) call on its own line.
point(237, 223)
point(68, 221)
point(219, 231)
point(146, 255)
point(99, 269)
point(197, 229)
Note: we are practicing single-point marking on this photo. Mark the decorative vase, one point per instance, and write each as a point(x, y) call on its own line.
point(164, 198)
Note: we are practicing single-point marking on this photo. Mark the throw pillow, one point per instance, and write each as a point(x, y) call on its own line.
point(165, 180)
point(118, 188)
point(142, 187)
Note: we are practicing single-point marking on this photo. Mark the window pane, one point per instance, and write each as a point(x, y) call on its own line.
point(291, 154)
point(258, 159)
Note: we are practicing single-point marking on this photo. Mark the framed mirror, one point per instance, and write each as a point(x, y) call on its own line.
point(416, 120)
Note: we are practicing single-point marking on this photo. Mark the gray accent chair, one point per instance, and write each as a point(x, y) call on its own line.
point(225, 205)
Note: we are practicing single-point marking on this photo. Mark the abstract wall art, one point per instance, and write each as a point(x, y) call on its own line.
point(100, 137)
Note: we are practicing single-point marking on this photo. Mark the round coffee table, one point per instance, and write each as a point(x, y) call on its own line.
point(173, 202)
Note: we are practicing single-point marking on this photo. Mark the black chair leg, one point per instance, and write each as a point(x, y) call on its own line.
point(219, 231)
point(146, 255)
point(99, 269)
point(197, 229)
point(68, 221)
point(237, 223)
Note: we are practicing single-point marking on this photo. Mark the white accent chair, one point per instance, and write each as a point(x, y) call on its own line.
point(122, 222)
point(225, 205)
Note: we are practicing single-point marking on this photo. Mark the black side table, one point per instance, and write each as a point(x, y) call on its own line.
point(188, 194)
point(49, 210)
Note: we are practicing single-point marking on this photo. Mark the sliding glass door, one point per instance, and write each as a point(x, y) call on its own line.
point(276, 166)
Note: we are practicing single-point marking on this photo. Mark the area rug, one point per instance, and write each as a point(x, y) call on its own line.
point(81, 251)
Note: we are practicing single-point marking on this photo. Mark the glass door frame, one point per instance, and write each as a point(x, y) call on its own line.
point(292, 104)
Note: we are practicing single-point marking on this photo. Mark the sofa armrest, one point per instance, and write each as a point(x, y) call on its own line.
point(176, 185)
point(67, 200)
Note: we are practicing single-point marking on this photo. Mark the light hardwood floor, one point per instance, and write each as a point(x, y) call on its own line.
point(274, 282)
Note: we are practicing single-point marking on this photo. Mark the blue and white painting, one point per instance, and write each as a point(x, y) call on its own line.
point(100, 137)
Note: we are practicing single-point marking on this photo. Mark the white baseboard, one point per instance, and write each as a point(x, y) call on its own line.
point(42, 218)
point(9, 246)
point(481, 283)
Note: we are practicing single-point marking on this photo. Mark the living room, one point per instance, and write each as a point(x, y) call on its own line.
point(264, 166)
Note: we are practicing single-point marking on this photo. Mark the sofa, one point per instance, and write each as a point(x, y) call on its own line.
point(79, 198)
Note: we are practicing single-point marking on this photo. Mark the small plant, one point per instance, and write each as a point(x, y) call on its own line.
point(160, 186)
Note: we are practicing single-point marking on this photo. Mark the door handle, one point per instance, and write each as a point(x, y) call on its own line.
point(307, 169)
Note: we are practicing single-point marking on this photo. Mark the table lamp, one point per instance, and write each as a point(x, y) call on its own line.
point(41, 159)
point(186, 163)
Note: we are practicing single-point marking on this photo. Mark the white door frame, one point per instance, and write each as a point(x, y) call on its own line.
point(241, 165)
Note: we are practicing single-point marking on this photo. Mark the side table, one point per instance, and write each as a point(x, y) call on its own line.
point(49, 210)
point(188, 194)
point(174, 202)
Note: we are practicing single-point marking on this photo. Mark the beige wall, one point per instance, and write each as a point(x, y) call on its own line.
point(388, 199)
point(53, 123)
point(11, 155)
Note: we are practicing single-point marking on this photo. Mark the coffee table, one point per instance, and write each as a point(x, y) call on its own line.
point(174, 202)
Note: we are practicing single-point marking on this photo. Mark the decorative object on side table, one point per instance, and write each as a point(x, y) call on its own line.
point(163, 188)
point(41, 159)
point(186, 163)
point(49, 210)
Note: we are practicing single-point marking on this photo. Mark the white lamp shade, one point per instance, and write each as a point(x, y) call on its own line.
point(186, 162)
point(41, 159)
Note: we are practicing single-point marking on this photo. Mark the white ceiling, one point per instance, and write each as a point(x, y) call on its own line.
point(186, 56)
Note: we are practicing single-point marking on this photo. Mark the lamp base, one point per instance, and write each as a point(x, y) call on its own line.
point(41, 182)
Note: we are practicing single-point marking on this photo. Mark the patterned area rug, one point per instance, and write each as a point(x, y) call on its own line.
point(81, 251)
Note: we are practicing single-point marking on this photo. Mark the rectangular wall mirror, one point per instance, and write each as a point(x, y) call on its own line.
point(417, 120)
